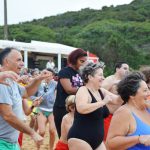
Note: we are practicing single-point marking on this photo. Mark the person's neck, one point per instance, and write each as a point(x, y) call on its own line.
point(71, 113)
point(117, 76)
point(73, 66)
point(133, 105)
point(91, 87)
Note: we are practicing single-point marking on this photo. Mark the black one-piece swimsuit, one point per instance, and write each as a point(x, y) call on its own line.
point(90, 127)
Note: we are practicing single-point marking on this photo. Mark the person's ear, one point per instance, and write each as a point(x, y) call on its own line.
point(90, 77)
point(132, 97)
point(6, 61)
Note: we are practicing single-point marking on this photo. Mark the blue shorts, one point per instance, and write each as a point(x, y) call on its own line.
point(45, 113)
point(4, 145)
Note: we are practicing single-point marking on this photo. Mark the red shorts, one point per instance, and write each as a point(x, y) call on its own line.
point(106, 125)
point(61, 146)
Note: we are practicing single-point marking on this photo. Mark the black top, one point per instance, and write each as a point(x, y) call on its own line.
point(90, 127)
point(75, 79)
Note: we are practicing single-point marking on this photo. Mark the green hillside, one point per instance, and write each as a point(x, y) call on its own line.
point(113, 33)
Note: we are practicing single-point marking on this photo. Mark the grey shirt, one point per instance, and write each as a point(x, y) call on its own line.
point(48, 95)
point(11, 95)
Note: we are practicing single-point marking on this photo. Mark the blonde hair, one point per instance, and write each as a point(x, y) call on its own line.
point(70, 101)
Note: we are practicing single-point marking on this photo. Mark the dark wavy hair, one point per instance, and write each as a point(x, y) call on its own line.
point(90, 68)
point(74, 55)
point(129, 85)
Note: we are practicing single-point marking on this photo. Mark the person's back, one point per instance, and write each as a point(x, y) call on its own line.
point(66, 124)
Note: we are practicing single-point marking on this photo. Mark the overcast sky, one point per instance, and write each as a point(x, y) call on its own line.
point(27, 10)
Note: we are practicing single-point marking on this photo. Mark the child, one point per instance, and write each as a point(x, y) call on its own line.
point(66, 124)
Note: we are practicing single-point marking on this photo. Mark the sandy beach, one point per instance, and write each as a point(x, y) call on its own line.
point(28, 143)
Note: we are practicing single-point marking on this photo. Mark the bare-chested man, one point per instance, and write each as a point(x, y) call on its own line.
point(110, 83)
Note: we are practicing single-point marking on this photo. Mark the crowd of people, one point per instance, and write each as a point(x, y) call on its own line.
point(82, 108)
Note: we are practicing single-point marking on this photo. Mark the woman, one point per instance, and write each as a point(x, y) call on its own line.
point(131, 122)
point(68, 83)
point(45, 110)
point(87, 131)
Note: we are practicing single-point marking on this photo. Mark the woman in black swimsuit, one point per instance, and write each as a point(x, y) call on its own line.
point(88, 128)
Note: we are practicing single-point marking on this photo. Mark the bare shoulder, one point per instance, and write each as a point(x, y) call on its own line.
point(120, 123)
point(82, 88)
point(82, 91)
point(122, 113)
point(65, 118)
point(109, 78)
point(107, 83)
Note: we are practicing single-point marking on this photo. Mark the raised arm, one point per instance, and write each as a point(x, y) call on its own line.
point(32, 88)
point(7, 74)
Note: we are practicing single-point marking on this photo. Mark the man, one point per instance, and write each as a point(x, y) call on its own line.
point(11, 102)
point(50, 64)
point(110, 84)
point(121, 69)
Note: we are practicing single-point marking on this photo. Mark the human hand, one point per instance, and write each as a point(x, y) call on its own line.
point(37, 139)
point(107, 99)
point(144, 139)
point(23, 79)
point(43, 75)
point(7, 74)
point(37, 101)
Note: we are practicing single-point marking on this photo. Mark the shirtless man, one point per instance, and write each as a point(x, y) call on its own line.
point(121, 69)
point(110, 84)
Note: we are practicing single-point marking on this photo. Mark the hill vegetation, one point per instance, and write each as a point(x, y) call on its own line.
point(113, 33)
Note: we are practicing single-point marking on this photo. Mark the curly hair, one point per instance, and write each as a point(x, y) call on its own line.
point(129, 85)
point(89, 69)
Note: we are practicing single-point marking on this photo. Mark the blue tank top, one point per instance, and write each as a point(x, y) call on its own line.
point(141, 129)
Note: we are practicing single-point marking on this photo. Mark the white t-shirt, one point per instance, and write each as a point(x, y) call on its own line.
point(50, 65)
